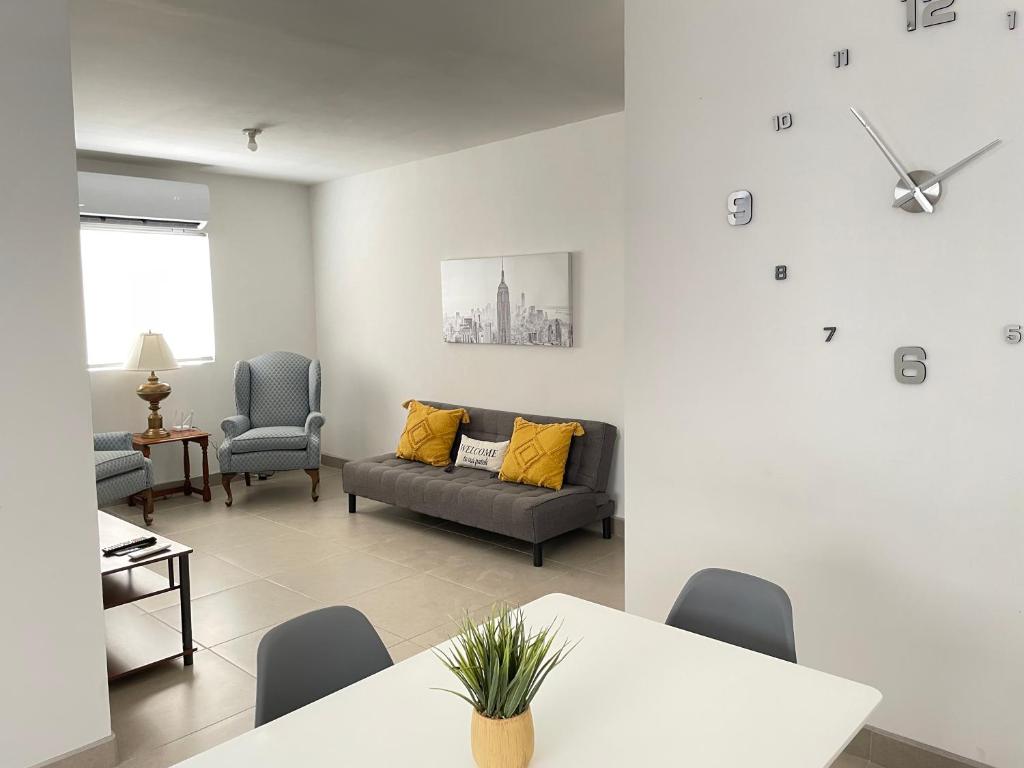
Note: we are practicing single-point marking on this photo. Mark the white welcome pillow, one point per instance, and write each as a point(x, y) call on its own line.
point(480, 454)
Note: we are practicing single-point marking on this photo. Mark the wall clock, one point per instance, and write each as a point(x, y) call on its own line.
point(916, 191)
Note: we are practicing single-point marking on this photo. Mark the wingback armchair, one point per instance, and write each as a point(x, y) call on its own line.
point(277, 426)
point(122, 472)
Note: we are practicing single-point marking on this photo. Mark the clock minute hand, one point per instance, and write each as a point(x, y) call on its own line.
point(895, 163)
point(936, 178)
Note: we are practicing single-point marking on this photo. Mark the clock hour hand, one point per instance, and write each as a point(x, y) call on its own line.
point(917, 194)
point(935, 179)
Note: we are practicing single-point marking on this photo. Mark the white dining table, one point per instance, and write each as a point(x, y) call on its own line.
point(633, 693)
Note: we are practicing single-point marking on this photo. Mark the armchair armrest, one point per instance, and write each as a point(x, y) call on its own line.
point(314, 421)
point(233, 426)
point(112, 441)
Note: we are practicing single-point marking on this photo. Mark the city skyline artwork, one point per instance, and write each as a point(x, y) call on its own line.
point(521, 300)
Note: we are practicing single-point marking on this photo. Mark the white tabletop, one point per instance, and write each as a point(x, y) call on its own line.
point(633, 693)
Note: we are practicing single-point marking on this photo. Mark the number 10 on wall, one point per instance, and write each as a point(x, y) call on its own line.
point(934, 12)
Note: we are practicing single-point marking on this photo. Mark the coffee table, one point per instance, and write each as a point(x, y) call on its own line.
point(135, 639)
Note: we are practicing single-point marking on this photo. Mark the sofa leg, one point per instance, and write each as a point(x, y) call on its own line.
point(147, 506)
point(351, 503)
point(314, 475)
point(248, 479)
point(606, 527)
point(538, 555)
point(225, 480)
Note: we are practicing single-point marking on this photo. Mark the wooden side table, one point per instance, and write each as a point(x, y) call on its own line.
point(185, 437)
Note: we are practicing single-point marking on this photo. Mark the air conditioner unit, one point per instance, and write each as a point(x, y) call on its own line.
point(108, 199)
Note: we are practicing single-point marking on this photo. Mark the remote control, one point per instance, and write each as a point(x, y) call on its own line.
point(142, 555)
point(119, 549)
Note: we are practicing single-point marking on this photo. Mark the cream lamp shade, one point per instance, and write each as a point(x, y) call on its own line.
point(150, 353)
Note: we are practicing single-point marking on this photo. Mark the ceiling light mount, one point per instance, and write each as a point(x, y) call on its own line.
point(252, 133)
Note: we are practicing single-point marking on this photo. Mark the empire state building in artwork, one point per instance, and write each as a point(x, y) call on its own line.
point(533, 308)
point(504, 312)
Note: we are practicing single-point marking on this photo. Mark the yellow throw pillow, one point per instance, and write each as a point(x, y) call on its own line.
point(538, 453)
point(429, 433)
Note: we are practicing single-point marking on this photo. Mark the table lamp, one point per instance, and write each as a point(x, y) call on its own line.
point(152, 354)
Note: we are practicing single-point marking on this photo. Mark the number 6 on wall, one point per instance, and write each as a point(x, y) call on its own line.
point(908, 363)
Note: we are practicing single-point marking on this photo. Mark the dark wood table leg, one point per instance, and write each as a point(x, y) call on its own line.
point(188, 470)
point(134, 497)
point(204, 444)
point(185, 597)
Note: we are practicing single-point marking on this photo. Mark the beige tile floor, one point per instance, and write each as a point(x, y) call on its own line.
point(275, 554)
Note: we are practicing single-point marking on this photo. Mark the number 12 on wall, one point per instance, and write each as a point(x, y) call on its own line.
point(934, 13)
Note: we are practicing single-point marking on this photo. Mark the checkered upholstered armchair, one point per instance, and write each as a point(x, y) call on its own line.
point(277, 427)
point(122, 472)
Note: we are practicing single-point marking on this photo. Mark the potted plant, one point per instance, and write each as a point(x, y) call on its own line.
point(501, 663)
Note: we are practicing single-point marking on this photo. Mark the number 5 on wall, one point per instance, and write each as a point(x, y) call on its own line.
point(908, 363)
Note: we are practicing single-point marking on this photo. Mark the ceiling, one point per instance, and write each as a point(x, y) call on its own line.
point(339, 86)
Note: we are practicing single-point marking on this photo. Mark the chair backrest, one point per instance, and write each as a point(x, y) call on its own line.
point(738, 609)
point(312, 656)
point(278, 389)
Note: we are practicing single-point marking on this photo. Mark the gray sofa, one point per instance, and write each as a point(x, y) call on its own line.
point(476, 498)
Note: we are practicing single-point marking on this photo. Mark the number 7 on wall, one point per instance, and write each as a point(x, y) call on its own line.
point(934, 13)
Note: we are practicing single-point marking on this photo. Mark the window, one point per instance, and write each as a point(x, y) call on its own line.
point(137, 280)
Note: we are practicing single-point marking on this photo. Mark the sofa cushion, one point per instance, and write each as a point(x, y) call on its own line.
point(538, 452)
point(111, 463)
point(270, 439)
point(590, 456)
point(481, 454)
point(473, 497)
point(429, 433)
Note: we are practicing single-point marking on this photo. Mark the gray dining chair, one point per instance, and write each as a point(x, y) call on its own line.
point(738, 609)
point(312, 656)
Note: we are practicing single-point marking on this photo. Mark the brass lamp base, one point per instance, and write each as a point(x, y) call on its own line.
point(153, 391)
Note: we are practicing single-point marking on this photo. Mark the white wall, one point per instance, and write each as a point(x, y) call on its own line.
point(54, 678)
point(379, 239)
point(891, 513)
point(262, 268)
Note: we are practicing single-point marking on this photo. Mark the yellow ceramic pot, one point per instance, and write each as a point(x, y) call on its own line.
point(502, 743)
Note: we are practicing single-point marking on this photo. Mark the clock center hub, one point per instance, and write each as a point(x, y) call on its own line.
point(932, 193)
